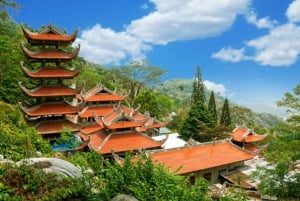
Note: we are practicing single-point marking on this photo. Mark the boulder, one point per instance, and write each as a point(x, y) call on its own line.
point(54, 165)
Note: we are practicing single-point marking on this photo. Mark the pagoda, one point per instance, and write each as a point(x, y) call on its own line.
point(113, 127)
point(50, 90)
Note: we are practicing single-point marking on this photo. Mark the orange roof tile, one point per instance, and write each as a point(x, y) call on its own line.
point(124, 124)
point(96, 139)
point(47, 91)
point(242, 134)
point(105, 97)
point(201, 157)
point(97, 110)
point(50, 55)
point(128, 141)
point(122, 142)
point(48, 38)
point(48, 72)
point(91, 128)
point(49, 109)
point(55, 126)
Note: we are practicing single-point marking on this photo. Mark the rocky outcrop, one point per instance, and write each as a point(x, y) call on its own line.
point(53, 165)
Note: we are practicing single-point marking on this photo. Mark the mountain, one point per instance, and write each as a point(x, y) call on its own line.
point(181, 89)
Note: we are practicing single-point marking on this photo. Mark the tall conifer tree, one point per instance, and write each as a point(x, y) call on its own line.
point(212, 106)
point(225, 116)
point(198, 93)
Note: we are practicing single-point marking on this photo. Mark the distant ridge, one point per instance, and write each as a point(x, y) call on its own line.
point(181, 90)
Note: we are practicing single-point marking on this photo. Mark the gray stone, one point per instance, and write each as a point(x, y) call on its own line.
point(123, 197)
point(54, 165)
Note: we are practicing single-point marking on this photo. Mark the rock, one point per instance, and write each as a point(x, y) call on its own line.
point(54, 165)
point(123, 197)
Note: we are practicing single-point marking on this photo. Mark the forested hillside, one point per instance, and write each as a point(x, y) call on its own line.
point(181, 89)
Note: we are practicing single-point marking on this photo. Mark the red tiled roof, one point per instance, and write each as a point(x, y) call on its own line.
point(242, 134)
point(121, 142)
point(47, 91)
point(54, 72)
point(50, 55)
point(129, 141)
point(201, 157)
point(91, 128)
point(124, 124)
point(105, 97)
point(49, 38)
point(49, 109)
point(55, 126)
point(97, 110)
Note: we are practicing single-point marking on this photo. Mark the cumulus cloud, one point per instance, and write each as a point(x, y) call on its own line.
point(217, 88)
point(230, 54)
point(176, 20)
point(280, 47)
point(292, 12)
point(105, 46)
point(171, 20)
point(264, 22)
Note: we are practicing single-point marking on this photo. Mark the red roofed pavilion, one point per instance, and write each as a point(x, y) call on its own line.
point(50, 109)
point(246, 138)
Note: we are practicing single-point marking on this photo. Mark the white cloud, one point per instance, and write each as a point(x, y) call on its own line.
point(172, 20)
point(105, 46)
point(281, 47)
point(293, 11)
point(175, 20)
point(229, 54)
point(260, 23)
point(217, 88)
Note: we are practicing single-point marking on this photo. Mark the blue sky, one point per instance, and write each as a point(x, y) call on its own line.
point(248, 51)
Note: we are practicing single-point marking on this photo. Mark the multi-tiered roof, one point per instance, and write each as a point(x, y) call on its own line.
point(101, 119)
point(49, 68)
point(113, 127)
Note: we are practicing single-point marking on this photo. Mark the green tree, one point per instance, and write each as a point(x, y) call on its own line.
point(212, 106)
point(148, 102)
point(137, 75)
point(225, 118)
point(198, 93)
point(292, 102)
point(4, 5)
point(198, 119)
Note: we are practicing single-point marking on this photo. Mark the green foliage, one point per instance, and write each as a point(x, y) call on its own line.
point(93, 74)
point(199, 119)
point(10, 57)
point(143, 180)
point(137, 76)
point(282, 153)
point(292, 102)
point(212, 106)
point(225, 118)
point(198, 93)
point(148, 103)
point(17, 139)
point(27, 183)
point(4, 5)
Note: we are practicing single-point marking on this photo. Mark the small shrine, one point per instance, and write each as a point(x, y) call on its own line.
point(247, 138)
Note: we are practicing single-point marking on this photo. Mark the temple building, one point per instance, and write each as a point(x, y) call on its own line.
point(247, 138)
point(113, 127)
point(50, 90)
point(207, 160)
point(56, 103)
